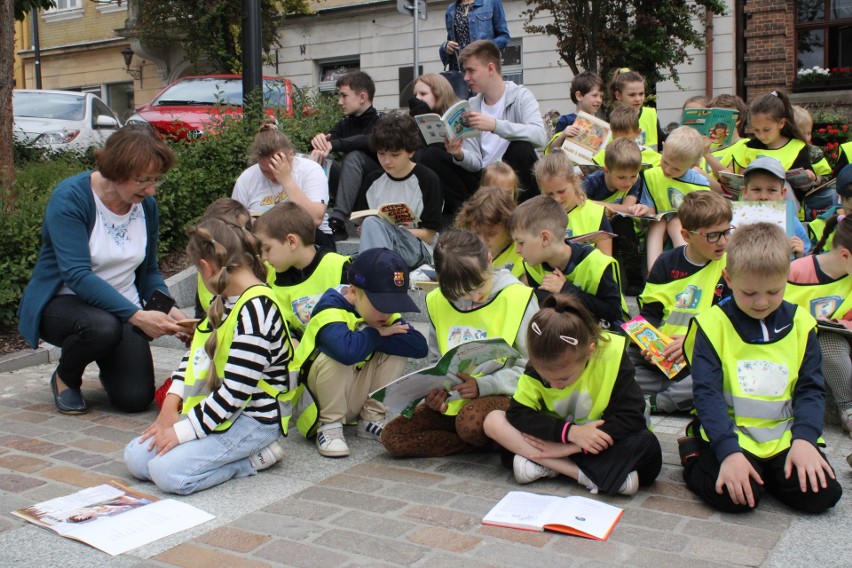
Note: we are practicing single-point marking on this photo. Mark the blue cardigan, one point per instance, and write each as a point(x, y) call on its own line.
point(65, 258)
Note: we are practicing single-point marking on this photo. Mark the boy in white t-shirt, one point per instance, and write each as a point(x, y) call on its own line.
point(506, 114)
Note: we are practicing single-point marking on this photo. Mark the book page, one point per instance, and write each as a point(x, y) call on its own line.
point(591, 238)
point(432, 128)
point(522, 510)
point(593, 137)
point(583, 516)
point(775, 212)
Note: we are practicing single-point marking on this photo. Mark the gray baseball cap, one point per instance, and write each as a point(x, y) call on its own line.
point(767, 164)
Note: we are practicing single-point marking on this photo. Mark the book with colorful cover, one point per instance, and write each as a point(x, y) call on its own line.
point(574, 515)
point(452, 124)
point(732, 183)
point(661, 216)
point(651, 339)
point(113, 518)
point(394, 213)
point(473, 357)
point(717, 124)
point(781, 213)
point(593, 137)
point(590, 238)
point(799, 180)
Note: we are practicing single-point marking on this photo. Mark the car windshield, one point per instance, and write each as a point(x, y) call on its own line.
point(211, 91)
point(48, 105)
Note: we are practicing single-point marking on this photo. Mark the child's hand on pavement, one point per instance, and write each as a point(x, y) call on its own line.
point(736, 474)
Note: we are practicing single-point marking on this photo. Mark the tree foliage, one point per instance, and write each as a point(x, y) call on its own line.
point(23, 7)
point(651, 36)
point(210, 30)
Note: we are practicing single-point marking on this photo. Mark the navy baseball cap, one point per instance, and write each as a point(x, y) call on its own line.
point(383, 276)
point(844, 181)
point(767, 164)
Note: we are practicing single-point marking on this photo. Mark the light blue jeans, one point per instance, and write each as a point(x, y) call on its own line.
point(205, 462)
point(378, 233)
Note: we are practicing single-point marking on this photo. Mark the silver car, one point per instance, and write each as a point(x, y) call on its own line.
point(62, 120)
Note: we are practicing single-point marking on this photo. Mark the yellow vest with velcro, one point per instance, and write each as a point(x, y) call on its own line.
point(585, 218)
point(759, 379)
point(668, 193)
point(196, 387)
point(588, 397)
point(822, 301)
point(684, 298)
point(501, 317)
point(299, 300)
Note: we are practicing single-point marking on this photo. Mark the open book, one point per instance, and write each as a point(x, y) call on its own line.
point(393, 213)
point(649, 338)
point(590, 238)
point(113, 518)
point(593, 137)
point(662, 216)
point(732, 183)
point(781, 213)
point(452, 125)
point(481, 356)
point(799, 180)
point(826, 325)
point(717, 124)
point(579, 516)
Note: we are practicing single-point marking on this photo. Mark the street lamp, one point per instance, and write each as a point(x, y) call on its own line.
point(127, 53)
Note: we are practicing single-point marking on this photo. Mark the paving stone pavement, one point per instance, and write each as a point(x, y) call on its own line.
point(372, 510)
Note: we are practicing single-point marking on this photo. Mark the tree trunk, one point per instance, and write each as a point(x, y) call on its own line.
point(7, 76)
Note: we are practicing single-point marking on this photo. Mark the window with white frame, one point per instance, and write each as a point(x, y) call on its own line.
point(62, 5)
point(64, 10)
point(513, 61)
point(331, 71)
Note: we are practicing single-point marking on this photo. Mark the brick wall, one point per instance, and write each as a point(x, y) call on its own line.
point(770, 55)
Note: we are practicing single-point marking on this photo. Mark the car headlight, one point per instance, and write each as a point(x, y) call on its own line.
point(56, 137)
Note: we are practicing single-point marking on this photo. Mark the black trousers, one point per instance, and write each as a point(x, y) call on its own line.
point(521, 156)
point(700, 474)
point(457, 183)
point(88, 334)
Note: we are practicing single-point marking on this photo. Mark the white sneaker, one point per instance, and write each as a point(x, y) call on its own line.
point(630, 485)
point(263, 459)
point(586, 482)
point(330, 441)
point(371, 430)
point(527, 471)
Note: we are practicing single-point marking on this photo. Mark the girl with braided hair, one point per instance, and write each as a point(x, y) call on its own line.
point(221, 418)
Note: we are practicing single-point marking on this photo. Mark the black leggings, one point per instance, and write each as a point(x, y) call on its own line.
point(86, 334)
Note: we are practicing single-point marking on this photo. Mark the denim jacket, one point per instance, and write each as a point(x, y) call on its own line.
point(487, 21)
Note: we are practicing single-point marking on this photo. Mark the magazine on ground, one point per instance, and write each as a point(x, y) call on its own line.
point(478, 356)
point(113, 518)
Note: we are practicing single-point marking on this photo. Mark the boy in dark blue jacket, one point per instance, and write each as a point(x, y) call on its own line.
point(355, 343)
point(758, 387)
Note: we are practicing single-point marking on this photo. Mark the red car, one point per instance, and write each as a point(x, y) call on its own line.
point(188, 107)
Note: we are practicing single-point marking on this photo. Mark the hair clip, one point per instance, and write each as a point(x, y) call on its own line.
point(840, 218)
point(774, 93)
point(569, 340)
point(624, 70)
point(535, 328)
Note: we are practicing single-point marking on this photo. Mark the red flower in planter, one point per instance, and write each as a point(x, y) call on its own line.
point(821, 130)
point(835, 70)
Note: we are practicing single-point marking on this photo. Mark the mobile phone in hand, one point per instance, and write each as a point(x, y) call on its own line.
point(159, 302)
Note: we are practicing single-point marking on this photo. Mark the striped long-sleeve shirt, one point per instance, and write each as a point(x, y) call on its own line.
point(258, 351)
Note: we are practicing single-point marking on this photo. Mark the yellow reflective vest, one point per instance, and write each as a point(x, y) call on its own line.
point(668, 193)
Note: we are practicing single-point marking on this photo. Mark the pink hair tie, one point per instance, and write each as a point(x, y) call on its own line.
point(840, 218)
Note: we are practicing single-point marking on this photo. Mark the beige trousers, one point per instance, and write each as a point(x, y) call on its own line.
point(343, 392)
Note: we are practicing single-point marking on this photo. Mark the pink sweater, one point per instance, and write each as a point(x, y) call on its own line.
point(803, 271)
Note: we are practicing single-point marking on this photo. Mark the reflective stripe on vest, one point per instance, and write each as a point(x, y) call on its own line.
point(588, 397)
point(684, 298)
point(822, 301)
point(758, 378)
point(501, 317)
point(196, 387)
point(299, 300)
point(585, 218)
point(668, 193)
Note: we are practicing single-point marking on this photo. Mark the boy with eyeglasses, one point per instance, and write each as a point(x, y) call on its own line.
point(684, 282)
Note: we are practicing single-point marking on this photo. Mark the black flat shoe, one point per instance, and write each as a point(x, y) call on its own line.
point(69, 401)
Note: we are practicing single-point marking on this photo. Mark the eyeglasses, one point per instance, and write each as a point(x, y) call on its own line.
point(156, 182)
point(715, 236)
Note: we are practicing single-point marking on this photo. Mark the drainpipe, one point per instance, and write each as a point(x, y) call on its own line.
point(708, 57)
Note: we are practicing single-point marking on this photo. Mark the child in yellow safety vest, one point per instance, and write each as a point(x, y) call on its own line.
point(758, 388)
point(301, 271)
point(684, 281)
point(472, 302)
point(628, 87)
point(554, 174)
point(222, 417)
point(577, 410)
point(822, 285)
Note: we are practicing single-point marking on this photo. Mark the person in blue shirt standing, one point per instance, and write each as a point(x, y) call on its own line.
point(471, 20)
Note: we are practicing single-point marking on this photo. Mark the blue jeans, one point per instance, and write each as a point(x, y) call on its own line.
point(378, 233)
point(202, 463)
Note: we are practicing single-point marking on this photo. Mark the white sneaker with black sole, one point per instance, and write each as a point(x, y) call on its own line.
point(269, 455)
point(330, 441)
point(371, 430)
